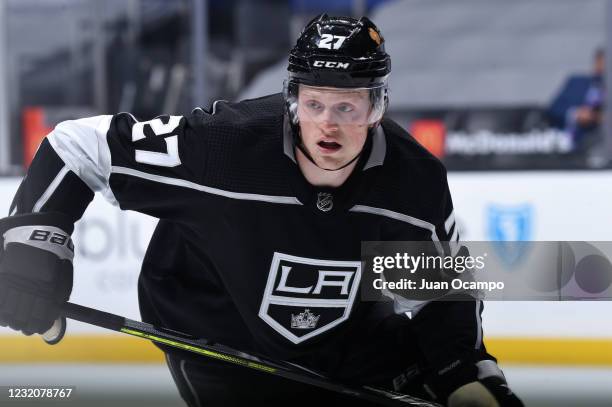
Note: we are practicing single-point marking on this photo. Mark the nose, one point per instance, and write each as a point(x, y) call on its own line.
point(328, 121)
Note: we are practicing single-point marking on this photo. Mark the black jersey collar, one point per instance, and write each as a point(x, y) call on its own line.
point(333, 200)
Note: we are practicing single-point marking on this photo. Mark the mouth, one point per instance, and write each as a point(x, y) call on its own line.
point(329, 146)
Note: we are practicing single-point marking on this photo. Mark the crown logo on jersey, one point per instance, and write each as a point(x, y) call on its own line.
point(304, 320)
point(325, 201)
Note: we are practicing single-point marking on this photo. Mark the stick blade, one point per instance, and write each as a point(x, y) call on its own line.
point(56, 332)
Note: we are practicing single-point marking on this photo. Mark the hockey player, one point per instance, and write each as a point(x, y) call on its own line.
point(263, 205)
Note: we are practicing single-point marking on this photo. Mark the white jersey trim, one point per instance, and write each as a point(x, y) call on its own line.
point(402, 305)
point(50, 189)
point(82, 145)
point(214, 107)
point(282, 300)
point(401, 217)
point(449, 222)
point(203, 188)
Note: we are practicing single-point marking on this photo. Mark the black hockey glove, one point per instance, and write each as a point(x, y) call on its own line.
point(35, 270)
point(466, 382)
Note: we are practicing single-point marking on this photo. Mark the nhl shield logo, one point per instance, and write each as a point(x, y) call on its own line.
point(305, 297)
point(509, 228)
point(325, 201)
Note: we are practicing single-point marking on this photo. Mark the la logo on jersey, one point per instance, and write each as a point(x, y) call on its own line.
point(305, 297)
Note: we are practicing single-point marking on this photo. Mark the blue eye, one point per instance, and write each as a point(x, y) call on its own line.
point(314, 105)
point(345, 108)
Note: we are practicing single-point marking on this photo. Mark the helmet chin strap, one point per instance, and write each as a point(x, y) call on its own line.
point(301, 147)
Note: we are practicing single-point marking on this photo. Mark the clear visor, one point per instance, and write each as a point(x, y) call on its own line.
point(335, 106)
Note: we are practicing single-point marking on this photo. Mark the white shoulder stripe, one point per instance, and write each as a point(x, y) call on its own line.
point(50, 189)
point(449, 222)
point(203, 188)
point(399, 216)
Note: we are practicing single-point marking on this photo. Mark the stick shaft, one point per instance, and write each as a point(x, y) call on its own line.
point(205, 348)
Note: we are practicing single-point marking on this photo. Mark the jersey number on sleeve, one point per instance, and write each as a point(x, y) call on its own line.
point(169, 159)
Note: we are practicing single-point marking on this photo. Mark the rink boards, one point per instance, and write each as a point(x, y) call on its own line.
point(489, 206)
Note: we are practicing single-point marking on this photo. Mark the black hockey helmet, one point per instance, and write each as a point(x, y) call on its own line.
point(340, 52)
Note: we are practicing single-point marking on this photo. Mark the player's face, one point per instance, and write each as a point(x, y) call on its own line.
point(333, 123)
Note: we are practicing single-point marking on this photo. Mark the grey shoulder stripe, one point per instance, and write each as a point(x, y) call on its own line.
point(50, 189)
point(203, 188)
point(288, 144)
point(379, 149)
point(403, 218)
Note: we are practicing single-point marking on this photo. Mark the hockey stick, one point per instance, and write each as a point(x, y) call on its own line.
point(220, 352)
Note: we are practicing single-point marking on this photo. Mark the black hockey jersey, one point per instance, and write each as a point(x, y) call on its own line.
point(247, 252)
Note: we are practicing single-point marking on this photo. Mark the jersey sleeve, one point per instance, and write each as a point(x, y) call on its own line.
point(443, 232)
point(449, 332)
point(135, 165)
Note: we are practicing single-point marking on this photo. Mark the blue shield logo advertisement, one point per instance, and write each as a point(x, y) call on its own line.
point(510, 229)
